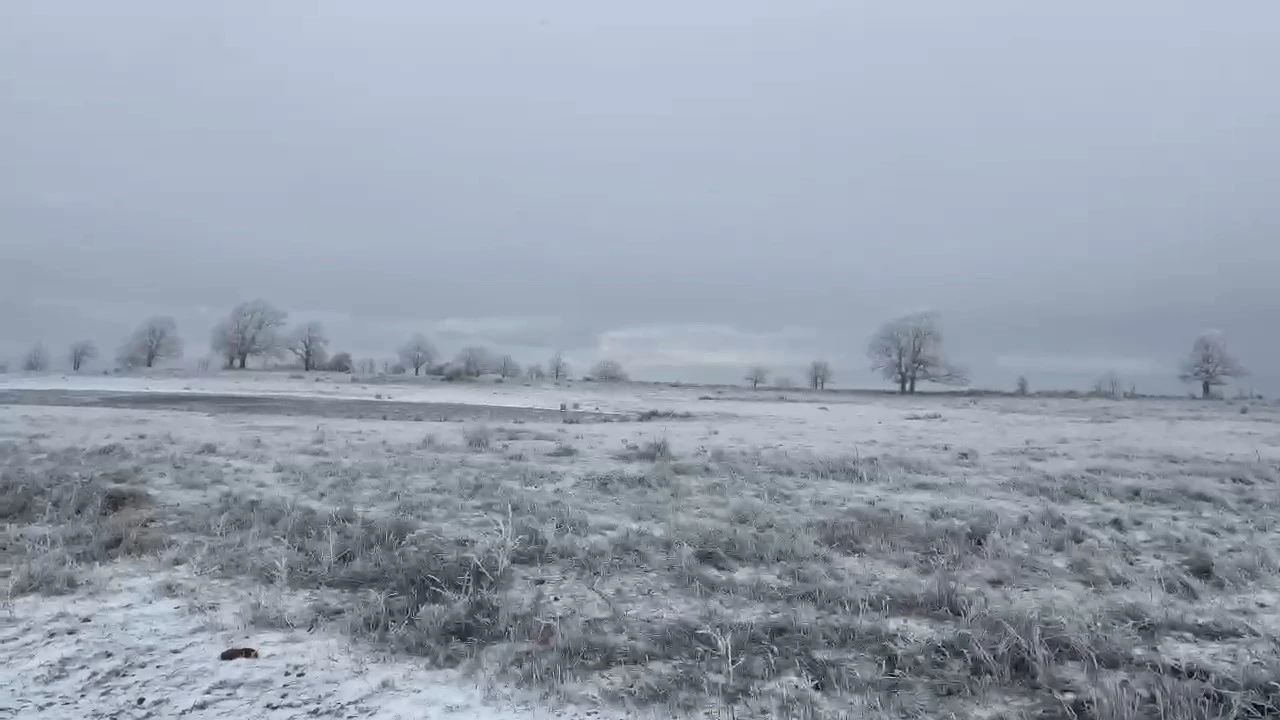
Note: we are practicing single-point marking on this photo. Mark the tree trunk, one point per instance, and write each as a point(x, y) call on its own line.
point(243, 359)
point(912, 387)
point(416, 370)
point(1204, 389)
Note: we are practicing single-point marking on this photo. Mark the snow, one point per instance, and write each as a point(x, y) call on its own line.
point(130, 646)
point(1057, 433)
point(128, 649)
point(511, 394)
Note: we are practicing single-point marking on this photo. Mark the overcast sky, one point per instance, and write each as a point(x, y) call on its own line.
point(687, 186)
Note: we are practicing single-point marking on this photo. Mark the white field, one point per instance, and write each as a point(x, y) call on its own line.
point(824, 556)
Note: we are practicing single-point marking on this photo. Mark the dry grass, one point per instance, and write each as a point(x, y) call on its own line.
point(756, 582)
point(60, 517)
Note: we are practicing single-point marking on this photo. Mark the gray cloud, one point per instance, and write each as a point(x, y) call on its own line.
point(685, 185)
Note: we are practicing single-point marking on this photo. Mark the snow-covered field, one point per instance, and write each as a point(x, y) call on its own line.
point(735, 554)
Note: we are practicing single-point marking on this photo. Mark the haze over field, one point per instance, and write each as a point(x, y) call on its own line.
point(687, 188)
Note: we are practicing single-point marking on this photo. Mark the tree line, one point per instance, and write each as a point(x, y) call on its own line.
point(906, 351)
point(259, 331)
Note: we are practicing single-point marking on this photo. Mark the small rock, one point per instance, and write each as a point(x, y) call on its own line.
point(238, 653)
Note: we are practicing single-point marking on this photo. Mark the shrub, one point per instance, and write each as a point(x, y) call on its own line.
point(479, 437)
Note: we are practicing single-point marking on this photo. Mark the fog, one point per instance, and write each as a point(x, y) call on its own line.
point(689, 188)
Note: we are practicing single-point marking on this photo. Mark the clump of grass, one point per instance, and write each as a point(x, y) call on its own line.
point(839, 468)
point(563, 450)
point(57, 522)
point(479, 437)
point(208, 448)
point(650, 415)
point(615, 480)
point(111, 450)
point(658, 450)
point(513, 434)
point(418, 592)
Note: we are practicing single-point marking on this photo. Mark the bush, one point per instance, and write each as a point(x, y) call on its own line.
point(479, 437)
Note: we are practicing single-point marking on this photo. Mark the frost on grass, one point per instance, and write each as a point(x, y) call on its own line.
point(649, 451)
point(58, 519)
point(802, 583)
point(479, 437)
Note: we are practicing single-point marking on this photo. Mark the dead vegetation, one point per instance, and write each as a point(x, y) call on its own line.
point(58, 519)
point(780, 583)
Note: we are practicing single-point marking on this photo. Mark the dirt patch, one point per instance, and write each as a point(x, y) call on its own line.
point(121, 498)
point(336, 408)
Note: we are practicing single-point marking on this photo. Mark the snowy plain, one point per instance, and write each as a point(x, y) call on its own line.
point(737, 553)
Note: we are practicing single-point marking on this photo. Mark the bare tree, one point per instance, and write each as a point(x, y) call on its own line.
point(1023, 387)
point(1107, 386)
point(908, 350)
point(36, 359)
point(418, 353)
point(155, 340)
point(557, 368)
point(368, 366)
point(608, 371)
point(508, 367)
point(341, 362)
point(535, 372)
point(252, 330)
point(475, 361)
point(1210, 363)
point(80, 353)
point(819, 374)
point(757, 376)
point(310, 344)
